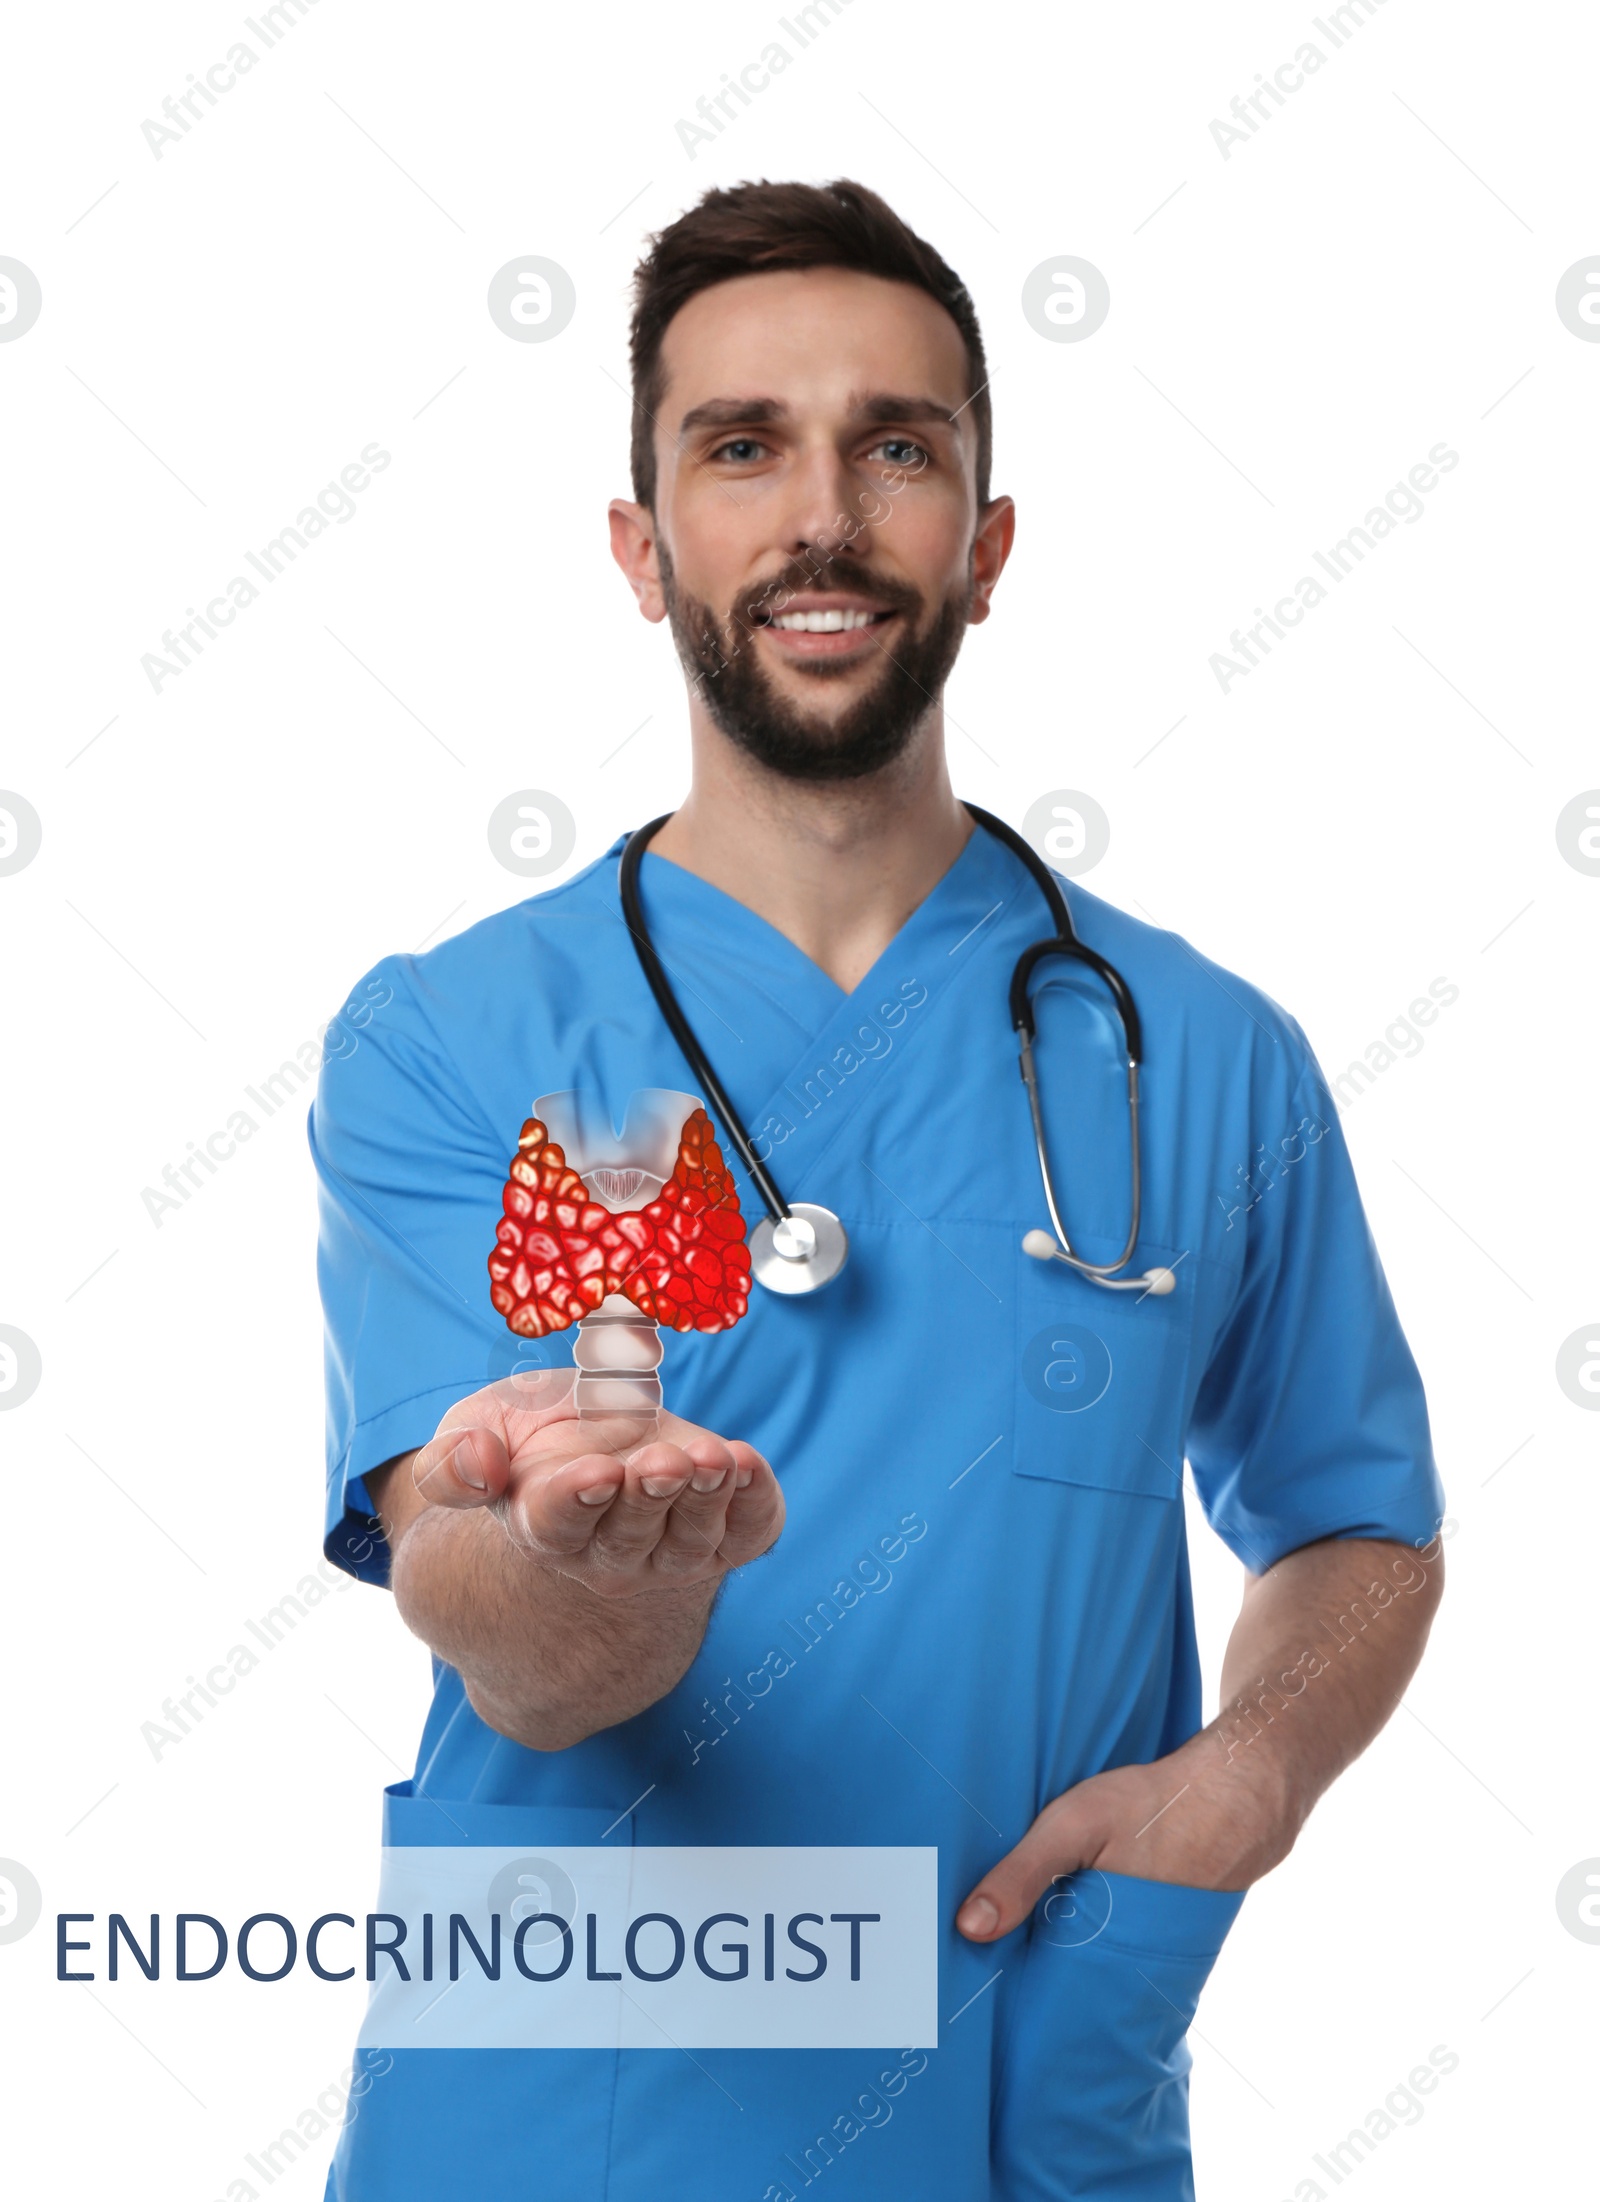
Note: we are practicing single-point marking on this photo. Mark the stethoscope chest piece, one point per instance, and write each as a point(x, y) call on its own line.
point(801, 1251)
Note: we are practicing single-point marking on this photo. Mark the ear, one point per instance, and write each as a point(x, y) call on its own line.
point(633, 546)
point(991, 547)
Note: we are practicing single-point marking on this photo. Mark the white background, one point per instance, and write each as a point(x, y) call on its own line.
point(1291, 330)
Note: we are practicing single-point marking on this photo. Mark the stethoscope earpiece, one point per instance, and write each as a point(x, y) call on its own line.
point(1043, 1248)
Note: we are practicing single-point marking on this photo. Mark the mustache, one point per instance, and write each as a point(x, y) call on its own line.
point(802, 575)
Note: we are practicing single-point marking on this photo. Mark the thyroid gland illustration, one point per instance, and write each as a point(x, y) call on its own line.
point(619, 1233)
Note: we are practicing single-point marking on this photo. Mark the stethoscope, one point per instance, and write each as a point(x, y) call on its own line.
point(799, 1246)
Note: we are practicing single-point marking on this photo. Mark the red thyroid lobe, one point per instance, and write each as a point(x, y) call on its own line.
point(681, 1259)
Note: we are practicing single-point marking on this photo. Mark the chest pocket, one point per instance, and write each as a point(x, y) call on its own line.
point(1101, 1376)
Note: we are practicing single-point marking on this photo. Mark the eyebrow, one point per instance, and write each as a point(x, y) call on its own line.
point(874, 410)
point(886, 406)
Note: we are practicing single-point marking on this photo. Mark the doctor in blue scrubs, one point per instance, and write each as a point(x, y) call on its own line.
point(905, 1568)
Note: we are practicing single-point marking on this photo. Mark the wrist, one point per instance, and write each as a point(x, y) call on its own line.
point(1255, 1800)
point(1261, 1751)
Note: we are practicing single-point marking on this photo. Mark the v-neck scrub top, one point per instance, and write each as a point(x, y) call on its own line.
point(982, 1592)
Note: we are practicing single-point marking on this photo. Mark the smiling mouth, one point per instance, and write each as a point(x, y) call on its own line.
point(824, 623)
point(823, 629)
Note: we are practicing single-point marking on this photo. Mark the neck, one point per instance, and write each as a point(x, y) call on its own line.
point(836, 867)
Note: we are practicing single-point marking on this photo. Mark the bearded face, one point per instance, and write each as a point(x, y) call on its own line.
point(825, 672)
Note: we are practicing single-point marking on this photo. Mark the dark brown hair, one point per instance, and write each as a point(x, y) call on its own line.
point(753, 227)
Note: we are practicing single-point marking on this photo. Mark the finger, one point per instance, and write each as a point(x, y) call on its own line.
point(517, 1407)
point(688, 1435)
point(631, 1528)
point(695, 1519)
point(1061, 1840)
point(755, 1514)
point(462, 1468)
point(557, 1511)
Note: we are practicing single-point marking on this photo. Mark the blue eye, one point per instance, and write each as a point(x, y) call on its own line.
point(902, 450)
point(740, 449)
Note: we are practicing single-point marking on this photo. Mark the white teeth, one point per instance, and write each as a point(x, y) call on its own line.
point(822, 623)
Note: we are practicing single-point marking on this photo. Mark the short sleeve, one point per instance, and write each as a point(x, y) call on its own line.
point(407, 1172)
point(1310, 1419)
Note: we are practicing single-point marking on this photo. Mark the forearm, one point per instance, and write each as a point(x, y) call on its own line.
point(1323, 1649)
point(543, 1659)
point(1324, 1645)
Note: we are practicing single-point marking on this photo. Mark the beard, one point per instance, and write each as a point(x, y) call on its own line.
point(719, 657)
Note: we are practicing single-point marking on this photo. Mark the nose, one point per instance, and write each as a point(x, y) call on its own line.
point(825, 506)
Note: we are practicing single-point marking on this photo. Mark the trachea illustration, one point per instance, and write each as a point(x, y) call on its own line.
point(619, 1234)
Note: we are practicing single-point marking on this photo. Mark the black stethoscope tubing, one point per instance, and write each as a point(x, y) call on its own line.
point(1063, 942)
point(678, 1024)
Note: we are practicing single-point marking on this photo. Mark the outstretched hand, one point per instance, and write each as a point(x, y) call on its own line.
point(681, 1509)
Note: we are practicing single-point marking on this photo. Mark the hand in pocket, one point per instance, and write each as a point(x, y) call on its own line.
point(1189, 1818)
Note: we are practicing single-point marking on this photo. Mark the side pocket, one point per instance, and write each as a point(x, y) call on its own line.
point(1093, 2095)
point(442, 2108)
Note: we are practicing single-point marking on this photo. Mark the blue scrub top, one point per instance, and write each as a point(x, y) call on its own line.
point(982, 1592)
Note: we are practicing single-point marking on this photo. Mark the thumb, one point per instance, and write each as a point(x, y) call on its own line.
point(1061, 1840)
point(462, 1468)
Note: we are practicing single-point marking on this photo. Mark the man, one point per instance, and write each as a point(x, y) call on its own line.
point(959, 1468)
